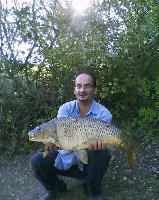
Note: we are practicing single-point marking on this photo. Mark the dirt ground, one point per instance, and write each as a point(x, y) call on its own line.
point(120, 183)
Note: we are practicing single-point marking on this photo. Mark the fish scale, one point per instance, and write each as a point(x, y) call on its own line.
point(79, 133)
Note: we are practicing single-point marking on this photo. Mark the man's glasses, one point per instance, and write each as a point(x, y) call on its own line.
point(86, 86)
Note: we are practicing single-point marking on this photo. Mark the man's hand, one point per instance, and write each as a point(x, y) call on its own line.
point(50, 146)
point(97, 145)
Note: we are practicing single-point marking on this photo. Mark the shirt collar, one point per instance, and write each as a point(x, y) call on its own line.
point(93, 109)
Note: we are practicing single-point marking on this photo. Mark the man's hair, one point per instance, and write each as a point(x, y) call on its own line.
point(88, 73)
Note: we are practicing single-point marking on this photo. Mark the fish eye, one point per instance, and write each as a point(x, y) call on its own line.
point(40, 129)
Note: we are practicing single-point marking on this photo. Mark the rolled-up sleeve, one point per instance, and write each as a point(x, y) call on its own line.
point(106, 116)
point(63, 111)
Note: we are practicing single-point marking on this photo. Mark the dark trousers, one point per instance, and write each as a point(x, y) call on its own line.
point(92, 174)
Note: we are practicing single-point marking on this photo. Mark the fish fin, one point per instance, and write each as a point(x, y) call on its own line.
point(82, 154)
point(132, 159)
point(57, 144)
point(45, 153)
point(138, 148)
point(132, 149)
point(113, 147)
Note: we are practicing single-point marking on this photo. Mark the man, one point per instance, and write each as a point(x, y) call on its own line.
point(66, 163)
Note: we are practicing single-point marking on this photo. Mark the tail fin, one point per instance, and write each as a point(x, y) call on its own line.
point(132, 149)
point(132, 159)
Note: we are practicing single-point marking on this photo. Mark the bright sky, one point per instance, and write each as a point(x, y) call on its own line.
point(79, 5)
point(11, 3)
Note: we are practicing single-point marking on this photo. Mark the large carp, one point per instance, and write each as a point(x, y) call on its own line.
point(78, 133)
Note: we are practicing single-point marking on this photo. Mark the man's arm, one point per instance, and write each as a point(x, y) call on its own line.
point(63, 111)
point(106, 116)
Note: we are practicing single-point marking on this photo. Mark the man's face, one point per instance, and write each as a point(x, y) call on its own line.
point(84, 89)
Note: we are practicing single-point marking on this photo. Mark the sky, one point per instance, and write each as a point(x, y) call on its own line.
point(79, 5)
point(11, 3)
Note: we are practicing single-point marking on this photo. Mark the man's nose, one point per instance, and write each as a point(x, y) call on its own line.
point(82, 88)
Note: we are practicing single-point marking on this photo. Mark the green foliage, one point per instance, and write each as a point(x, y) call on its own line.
point(148, 119)
point(45, 44)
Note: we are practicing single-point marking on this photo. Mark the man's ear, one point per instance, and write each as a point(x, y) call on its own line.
point(74, 91)
point(95, 90)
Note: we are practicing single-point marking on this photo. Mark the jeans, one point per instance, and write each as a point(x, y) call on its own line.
point(92, 174)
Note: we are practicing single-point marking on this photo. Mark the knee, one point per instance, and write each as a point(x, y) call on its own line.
point(100, 157)
point(106, 156)
point(35, 160)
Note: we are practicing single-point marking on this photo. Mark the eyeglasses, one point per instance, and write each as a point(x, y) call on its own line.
point(86, 86)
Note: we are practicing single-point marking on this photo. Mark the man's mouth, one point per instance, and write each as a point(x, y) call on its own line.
point(82, 95)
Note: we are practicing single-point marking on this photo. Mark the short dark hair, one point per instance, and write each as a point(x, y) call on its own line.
point(88, 73)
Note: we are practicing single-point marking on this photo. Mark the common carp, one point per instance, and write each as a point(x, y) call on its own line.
point(78, 133)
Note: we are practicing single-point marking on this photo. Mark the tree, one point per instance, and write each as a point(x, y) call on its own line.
point(46, 43)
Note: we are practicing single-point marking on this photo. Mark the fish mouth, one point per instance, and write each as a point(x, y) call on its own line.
point(31, 135)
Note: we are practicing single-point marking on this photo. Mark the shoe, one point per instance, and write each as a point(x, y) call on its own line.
point(94, 196)
point(86, 189)
point(48, 196)
point(59, 188)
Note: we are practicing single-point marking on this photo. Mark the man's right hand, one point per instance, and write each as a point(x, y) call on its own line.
point(97, 145)
point(50, 146)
